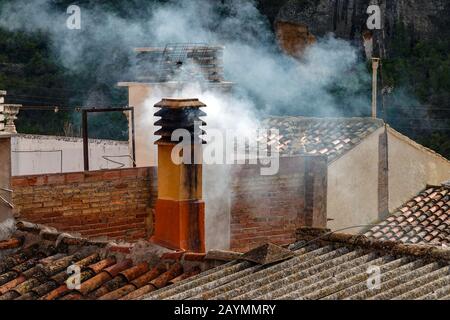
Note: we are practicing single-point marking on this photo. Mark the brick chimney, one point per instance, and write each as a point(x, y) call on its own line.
point(180, 210)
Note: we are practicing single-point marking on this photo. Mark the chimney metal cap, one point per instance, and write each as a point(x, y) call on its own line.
point(180, 103)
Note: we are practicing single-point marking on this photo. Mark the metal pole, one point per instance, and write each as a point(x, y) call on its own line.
point(85, 140)
point(375, 64)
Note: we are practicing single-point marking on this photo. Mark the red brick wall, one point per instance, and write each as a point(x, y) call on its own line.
point(112, 203)
point(271, 208)
point(119, 203)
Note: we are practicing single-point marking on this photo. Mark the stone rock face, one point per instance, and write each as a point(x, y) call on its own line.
point(293, 38)
point(347, 18)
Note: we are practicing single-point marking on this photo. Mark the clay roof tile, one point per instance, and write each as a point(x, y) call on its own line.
point(10, 244)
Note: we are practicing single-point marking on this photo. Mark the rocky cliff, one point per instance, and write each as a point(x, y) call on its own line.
point(347, 18)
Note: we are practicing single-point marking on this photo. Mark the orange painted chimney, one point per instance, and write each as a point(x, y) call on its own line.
point(180, 210)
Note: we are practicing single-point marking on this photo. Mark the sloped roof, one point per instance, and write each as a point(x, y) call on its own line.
point(320, 136)
point(335, 267)
point(34, 262)
point(423, 219)
point(416, 145)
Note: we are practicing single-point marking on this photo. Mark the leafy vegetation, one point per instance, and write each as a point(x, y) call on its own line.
point(420, 69)
point(33, 75)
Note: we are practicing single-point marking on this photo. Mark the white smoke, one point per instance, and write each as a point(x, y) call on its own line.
point(7, 228)
point(275, 83)
point(266, 81)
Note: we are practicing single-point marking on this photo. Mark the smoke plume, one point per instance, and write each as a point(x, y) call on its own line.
point(7, 227)
point(330, 80)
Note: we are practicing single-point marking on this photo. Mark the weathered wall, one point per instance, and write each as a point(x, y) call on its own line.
point(353, 186)
point(112, 203)
point(39, 154)
point(242, 211)
point(270, 208)
point(5, 176)
point(411, 168)
point(364, 185)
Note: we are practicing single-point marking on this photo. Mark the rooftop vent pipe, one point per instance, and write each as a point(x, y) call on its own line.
point(180, 210)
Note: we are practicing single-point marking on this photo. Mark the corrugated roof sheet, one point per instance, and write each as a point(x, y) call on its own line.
point(423, 219)
point(320, 136)
point(336, 268)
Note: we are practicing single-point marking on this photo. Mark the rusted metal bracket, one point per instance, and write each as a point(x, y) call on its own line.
point(7, 190)
point(86, 134)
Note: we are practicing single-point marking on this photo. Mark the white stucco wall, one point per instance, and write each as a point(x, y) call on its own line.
point(411, 168)
point(353, 186)
point(35, 154)
point(353, 179)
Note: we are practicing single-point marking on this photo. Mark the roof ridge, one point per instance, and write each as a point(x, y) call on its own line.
point(446, 184)
point(395, 247)
point(325, 118)
point(333, 137)
point(52, 234)
point(67, 138)
point(416, 144)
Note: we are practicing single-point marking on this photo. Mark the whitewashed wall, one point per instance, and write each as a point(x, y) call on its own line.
point(36, 154)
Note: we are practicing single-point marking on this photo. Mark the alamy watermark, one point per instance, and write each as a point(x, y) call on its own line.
point(374, 279)
point(73, 22)
point(255, 147)
point(374, 20)
point(74, 280)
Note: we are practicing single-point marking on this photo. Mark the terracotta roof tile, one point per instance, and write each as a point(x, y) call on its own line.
point(95, 282)
point(115, 269)
point(136, 294)
point(105, 263)
point(111, 285)
point(174, 271)
point(37, 268)
point(427, 213)
point(135, 272)
point(149, 276)
point(11, 284)
point(330, 136)
point(186, 275)
point(159, 282)
point(122, 279)
point(119, 293)
point(10, 244)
